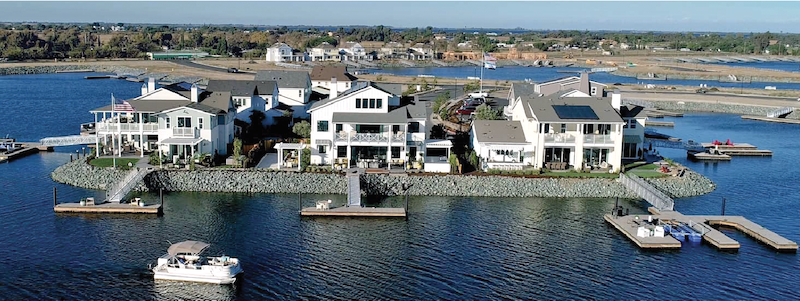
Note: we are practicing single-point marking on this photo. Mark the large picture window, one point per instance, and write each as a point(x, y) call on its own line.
point(322, 126)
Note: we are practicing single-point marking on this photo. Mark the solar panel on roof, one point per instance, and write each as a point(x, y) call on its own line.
point(575, 112)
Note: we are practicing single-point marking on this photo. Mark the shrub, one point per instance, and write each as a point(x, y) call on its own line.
point(302, 129)
point(305, 158)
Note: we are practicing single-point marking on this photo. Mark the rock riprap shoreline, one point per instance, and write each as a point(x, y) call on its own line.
point(79, 173)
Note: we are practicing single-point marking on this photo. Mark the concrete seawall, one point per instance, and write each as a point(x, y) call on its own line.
point(81, 174)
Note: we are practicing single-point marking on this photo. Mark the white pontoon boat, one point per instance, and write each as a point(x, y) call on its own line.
point(184, 263)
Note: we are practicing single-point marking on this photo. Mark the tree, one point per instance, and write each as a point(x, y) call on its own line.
point(439, 105)
point(474, 160)
point(302, 129)
point(485, 112)
point(237, 150)
point(305, 158)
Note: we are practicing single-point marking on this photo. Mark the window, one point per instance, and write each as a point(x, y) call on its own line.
point(632, 123)
point(594, 91)
point(563, 128)
point(167, 122)
point(379, 103)
point(221, 120)
point(629, 150)
point(322, 126)
point(372, 103)
point(200, 122)
point(365, 103)
point(395, 152)
point(347, 84)
point(341, 152)
point(338, 127)
point(300, 93)
point(184, 122)
point(395, 128)
point(413, 127)
point(321, 149)
point(358, 103)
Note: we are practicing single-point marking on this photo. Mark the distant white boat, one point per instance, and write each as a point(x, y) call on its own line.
point(184, 263)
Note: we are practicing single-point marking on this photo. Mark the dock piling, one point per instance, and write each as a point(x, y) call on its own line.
point(723, 206)
point(300, 201)
point(70, 157)
point(55, 196)
point(161, 196)
point(406, 205)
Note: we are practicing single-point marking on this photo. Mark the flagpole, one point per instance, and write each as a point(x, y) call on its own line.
point(483, 64)
point(113, 159)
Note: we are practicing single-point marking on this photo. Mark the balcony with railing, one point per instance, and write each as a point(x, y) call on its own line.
point(384, 137)
point(559, 138)
point(597, 139)
point(185, 132)
point(126, 127)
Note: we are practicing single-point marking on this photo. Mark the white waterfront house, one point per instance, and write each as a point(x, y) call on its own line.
point(280, 52)
point(368, 127)
point(179, 119)
point(249, 96)
point(332, 78)
point(324, 52)
point(501, 144)
point(294, 89)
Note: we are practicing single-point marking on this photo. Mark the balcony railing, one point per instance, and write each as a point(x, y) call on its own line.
point(369, 137)
point(341, 136)
point(398, 137)
point(597, 139)
point(559, 138)
point(185, 132)
point(127, 127)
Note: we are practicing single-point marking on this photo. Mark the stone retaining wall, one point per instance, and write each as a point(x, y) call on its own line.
point(81, 174)
point(715, 108)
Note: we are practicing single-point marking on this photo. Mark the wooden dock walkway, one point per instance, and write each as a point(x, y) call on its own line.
point(108, 208)
point(354, 187)
point(771, 119)
point(354, 212)
point(702, 224)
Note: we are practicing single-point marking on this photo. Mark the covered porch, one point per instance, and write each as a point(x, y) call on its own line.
point(507, 157)
point(178, 150)
point(289, 155)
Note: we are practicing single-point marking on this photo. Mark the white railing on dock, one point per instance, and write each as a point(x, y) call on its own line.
point(655, 197)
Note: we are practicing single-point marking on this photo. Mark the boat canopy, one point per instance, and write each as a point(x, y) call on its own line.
point(187, 247)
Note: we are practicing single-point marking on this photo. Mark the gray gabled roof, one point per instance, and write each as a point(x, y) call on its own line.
point(542, 108)
point(325, 73)
point(242, 87)
point(523, 89)
point(358, 86)
point(214, 102)
point(285, 79)
point(498, 131)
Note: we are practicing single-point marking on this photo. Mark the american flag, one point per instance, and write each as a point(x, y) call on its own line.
point(489, 61)
point(121, 105)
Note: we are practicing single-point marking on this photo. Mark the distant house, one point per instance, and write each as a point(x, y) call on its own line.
point(294, 89)
point(420, 52)
point(249, 96)
point(280, 52)
point(392, 50)
point(181, 120)
point(353, 51)
point(332, 78)
point(324, 52)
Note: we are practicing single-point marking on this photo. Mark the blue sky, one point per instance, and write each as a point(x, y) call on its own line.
point(658, 16)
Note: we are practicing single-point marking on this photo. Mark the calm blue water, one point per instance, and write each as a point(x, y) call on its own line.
point(782, 66)
point(450, 248)
point(545, 74)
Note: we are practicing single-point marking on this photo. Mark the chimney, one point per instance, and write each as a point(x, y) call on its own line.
point(194, 95)
point(616, 99)
point(144, 89)
point(151, 84)
point(583, 85)
point(334, 90)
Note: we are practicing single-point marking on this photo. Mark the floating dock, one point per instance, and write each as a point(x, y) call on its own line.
point(738, 149)
point(629, 225)
point(354, 212)
point(25, 149)
point(771, 119)
point(660, 123)
point(656, 113)
point(108, 208)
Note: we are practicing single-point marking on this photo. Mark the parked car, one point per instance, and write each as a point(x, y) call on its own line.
point(465, 110)
point(233, 70)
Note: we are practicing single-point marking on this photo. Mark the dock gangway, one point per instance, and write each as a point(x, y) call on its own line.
point(780, 112)
point(354, 189)
point(68, 140)
point(687, 145)
point(655, 197)
point(118, 192)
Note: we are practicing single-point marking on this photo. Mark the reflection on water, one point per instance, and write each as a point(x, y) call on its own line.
point(174, 290)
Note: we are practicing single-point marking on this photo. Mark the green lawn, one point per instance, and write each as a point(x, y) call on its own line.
point(646, 171)
point(122, 163)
